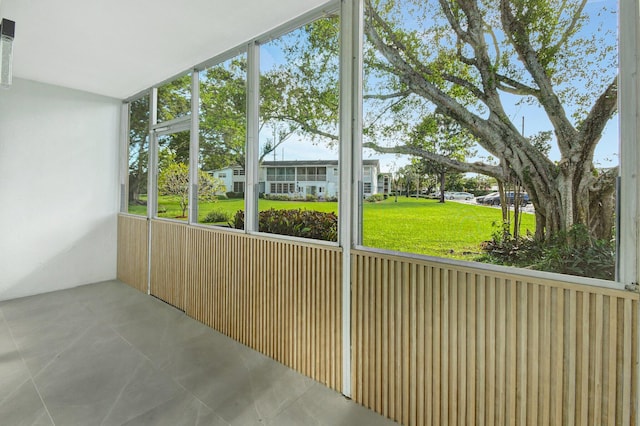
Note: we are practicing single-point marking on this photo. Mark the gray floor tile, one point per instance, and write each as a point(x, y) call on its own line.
point(106, 354)
point(83, 383)
point(147, 389)
point(160, 337)
point(41, 342)
point(181, 411)
point(24, 407)
point(322, 406)
point(267, 391)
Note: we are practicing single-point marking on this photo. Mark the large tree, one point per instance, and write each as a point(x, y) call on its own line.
point(465, 57)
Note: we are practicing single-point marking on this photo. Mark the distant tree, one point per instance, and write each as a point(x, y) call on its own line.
point(174, 181)
point(439, 135)
point(138, 148)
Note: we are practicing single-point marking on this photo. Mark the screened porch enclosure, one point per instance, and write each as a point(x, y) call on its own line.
point(122, 137)
point(430, 343)
point(417, 339)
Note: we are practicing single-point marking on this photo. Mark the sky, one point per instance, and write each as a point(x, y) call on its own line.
point(300, 148)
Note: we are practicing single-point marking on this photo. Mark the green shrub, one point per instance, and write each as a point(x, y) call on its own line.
point(295, 223)
point(216, 216)
point(222, 197)
point(375, 198)
point(238, 220)
point(162, 209)
point(232, 195)
point(311, 197)
point(277, 197)
point(574, 252)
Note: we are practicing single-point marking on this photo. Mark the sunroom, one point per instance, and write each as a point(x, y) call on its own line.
point(118, 118)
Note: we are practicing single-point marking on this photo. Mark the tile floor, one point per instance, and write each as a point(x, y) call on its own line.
point(105, 354)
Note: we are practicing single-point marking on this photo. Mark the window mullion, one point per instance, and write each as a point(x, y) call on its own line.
point(252, 143)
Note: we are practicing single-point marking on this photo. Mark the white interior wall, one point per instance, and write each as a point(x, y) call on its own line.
point(58, 188)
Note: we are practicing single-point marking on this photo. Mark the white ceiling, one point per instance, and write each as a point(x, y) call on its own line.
point(119, 47)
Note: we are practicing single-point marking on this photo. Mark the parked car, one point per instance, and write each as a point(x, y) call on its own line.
point(436, 195)
point(480, 200)
point(459, 196)
point(494, 199)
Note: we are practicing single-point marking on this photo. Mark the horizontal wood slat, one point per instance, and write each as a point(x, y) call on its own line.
point(168, 257)
point(432, 345)
point(281, 298)
point(133, 251)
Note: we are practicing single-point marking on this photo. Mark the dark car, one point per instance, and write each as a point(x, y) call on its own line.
point(494, 199)
point(480, 200)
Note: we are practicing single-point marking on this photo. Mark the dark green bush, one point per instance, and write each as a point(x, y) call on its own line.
point(216, 216)
point(238, 220)
point(311, 197)
point(574, 252)
point(295, 223)
point(235, 194)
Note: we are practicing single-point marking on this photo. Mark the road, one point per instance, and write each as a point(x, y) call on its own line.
point(526, 209)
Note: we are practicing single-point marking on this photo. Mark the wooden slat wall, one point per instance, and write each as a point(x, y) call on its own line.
point(168, 257)
point(434, 345)
point(281, 298)
point(133, 251)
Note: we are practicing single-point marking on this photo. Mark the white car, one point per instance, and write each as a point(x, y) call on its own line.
point(459, 196)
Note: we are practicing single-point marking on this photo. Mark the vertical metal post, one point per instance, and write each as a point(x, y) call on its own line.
point(252, 148)
point(351, 22)
point(629, 108)
point(152, 176)
point(194, 147)
point(628, 252)
point(124, 157)
point(152, 181)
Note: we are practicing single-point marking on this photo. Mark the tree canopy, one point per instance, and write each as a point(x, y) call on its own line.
point(463, 64)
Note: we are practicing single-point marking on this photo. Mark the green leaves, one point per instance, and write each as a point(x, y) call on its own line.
point(296, 223)
point(173, 180)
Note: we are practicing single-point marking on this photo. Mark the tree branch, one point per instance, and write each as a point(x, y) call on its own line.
point(414, 78)
point(514, 87)
point(601, 112)
point(305, 126)
point(518, 35)
point(460, 166)
point(387, 96)
point(571, 27)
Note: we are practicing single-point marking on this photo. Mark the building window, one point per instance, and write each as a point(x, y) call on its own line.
point(222, 175)
point(238, 172)
point(238, 186)
point(367, 187)
point(282, 188)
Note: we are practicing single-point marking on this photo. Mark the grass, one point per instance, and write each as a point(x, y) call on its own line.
point(453, 230)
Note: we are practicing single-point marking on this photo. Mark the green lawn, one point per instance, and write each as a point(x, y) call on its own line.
point(453, 230)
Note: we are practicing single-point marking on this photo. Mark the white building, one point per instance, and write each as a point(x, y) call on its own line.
point(304, 177)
